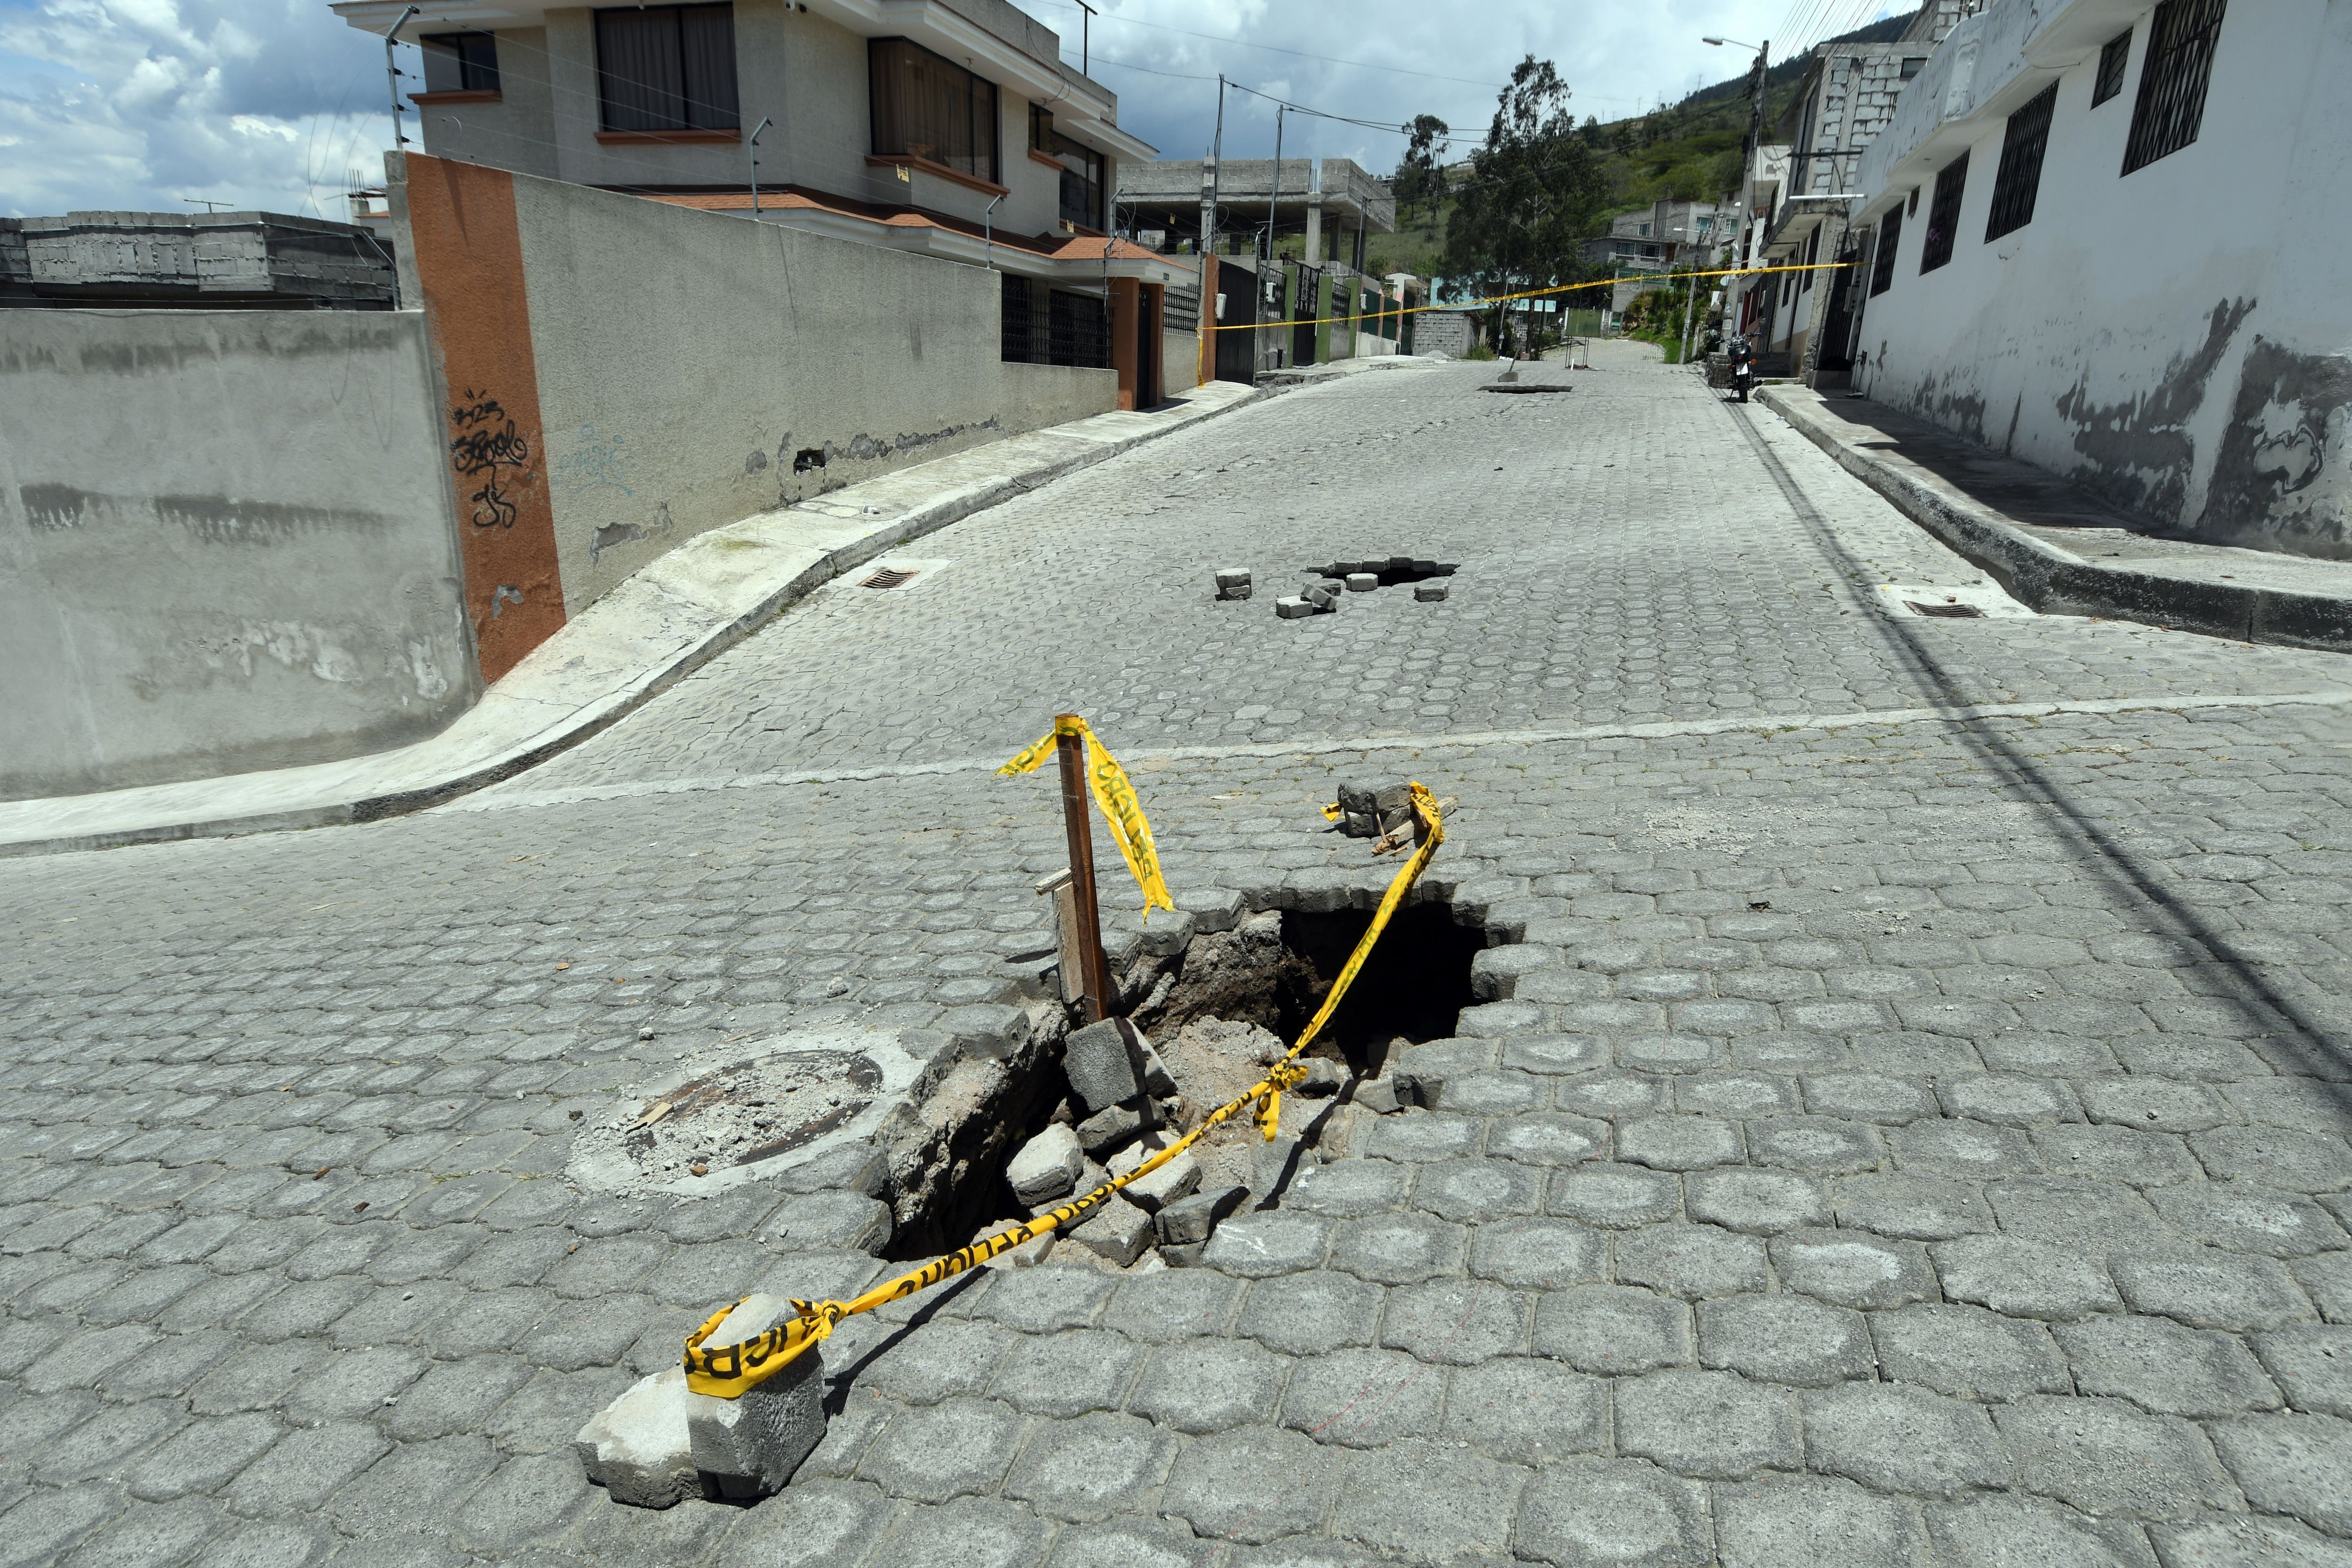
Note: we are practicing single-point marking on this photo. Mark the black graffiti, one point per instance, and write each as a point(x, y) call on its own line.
point(486, 442)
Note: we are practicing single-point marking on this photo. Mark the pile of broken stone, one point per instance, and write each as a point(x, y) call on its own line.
point(1325, 589)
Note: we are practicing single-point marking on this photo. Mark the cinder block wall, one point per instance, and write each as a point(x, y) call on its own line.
point(226, 544)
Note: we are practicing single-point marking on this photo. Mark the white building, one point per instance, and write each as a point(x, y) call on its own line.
point(2107, 237)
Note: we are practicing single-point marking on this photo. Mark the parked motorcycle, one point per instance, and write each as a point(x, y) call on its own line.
point(1743, 367)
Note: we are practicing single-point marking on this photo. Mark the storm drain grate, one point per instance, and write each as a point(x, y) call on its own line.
point(1951, 610)
point(888, 578)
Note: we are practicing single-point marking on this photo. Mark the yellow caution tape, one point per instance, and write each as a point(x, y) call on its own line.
point(1120, 807)
point(1397, 308)
point(730, 1371)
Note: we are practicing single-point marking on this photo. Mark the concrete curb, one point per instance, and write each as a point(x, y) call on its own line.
point(666, 622)
point(2057, 581)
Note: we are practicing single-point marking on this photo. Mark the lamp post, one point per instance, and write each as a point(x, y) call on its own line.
point(1755, 143)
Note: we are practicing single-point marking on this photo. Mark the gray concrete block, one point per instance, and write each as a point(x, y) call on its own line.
point(1047, 1167)
point(1593, 1511)
point(1118, 1231)
point(753, 1444)
point(1293, 608)
point(1852, 1269)
point(1785, 1339)
point(2207, 1287)
point(1210, 1385)
point(1898, 1439)
point(1967, 1353)
point(1691, 1260)
point(2298, 1465)
point(1177, 1179)
point(2106, 1456)
point(1777, 1523)
point(1311, 1312)
point(1107, 1128)
point(1429, 593)
point(1102, 1065)
point(2313, 1363)
point(1619, 1197)
point(2162, 1366)
point(1992, 1528)
point(1191, 1220)
point(638, 1447)
point(1714, 1424)
point(2024, 1279)
point(1363, 582)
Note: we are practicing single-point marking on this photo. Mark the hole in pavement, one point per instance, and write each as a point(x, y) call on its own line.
point(1215, 1015)
point(1391, 570)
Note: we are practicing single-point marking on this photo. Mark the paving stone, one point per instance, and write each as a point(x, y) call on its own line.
point(955, 1447)
point(305, 1468)
point(1039, 1300)
point(1458, 1322)
point(1757, 1202)
point(2092, 1216)
point(1869, 1097)
point(1047, 1167)
point(1209, 1386)
point(2294, 1464)
point(1526, 1411)
point(1257, 1484)
point(2209, 1288)
point(1414, 1136)
point(1691, 1260)
point(2312, 1365)
point(1124, 1543)
point(1069, 1372)
point(158, 1534)
point(2164, 1105)
point(1559, 1054)
point(1544, 1253)
point(1172, 1306)
point(1344, 1188)
point(2276, 1156)
point(1993, 1528)
point(414, 1489)
point(1426, 1502)
point(1768, 1523)
point(2239, 1541)
point(1395, 1249)
point(1852, 1268)
point(2327, 1279)
point(1814, 1143)
point(1618, 1197)
point(2106, 1456)
point(1917, 1209)
point(1594, 1511)
point(1784, 1339)
point(1969, 1352)
point(1312, 1312)
point(1894, 1438)
point(1679, 1142)
point(969, 1532)
point(2023, 1278)
point(354, 1385)
point(93, 1445)
point(1478, 1192)
point(2246, 1217)
point(1362, 1398)
point(1255, 1245)
point(2161, 1366)
point(202, 1457)
point(940, 1359)
point(1088, 1469)
point(1117, 1232)
point(1716, 1424)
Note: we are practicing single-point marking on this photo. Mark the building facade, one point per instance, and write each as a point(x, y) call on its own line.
point(2099, 236)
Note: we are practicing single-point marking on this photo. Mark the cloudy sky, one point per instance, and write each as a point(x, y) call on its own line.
point(272, 103)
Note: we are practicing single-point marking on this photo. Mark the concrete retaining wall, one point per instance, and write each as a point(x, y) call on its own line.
point(226, 542)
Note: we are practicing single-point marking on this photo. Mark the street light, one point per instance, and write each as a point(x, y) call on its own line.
point(1761, 72)
point(1734, 43)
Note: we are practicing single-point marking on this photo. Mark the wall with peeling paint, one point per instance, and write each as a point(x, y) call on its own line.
point(693, 369)
point(2177, 340)
point(226, 542)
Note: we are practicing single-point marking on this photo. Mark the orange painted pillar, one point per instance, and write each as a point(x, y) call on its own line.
point(469, 245)
point(1126, 312)
point(1209, 287)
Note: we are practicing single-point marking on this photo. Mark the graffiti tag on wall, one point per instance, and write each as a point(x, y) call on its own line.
point(487, 451)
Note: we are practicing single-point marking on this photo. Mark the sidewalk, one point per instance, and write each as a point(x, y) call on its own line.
point(2060, 550)
point(676, 614)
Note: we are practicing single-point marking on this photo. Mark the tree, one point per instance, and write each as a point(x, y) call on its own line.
point(1535, 192)
point(1421, 174)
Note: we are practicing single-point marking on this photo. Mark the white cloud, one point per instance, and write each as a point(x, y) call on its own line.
point(138, 104)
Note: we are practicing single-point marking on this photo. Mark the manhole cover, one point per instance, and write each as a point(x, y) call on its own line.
point(888, 578)
point(715, 1126)
point(1953, 611)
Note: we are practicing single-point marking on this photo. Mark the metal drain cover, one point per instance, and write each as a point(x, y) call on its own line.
point(1976, 601)
point(750, 1114)
point(888, 578)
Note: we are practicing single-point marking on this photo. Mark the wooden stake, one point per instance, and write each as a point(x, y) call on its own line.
point(1072, 747)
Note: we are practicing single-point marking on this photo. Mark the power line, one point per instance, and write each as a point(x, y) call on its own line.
point(1275, 48)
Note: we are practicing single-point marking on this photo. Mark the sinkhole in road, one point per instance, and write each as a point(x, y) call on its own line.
point(1394, 571)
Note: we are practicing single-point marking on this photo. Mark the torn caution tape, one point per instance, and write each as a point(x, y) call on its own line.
point(1120, 807)
point(730, 1371)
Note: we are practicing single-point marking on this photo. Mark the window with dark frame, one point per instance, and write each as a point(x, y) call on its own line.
point(1913, 65)
point(668, 68)
point(2018, 178)
point(1881, 266)
point(1944, 214)
point(460, 62)
point(1041, 128)
point(2113, 58)
point(1082, 183)
point(926, 106)
point(2172, 80)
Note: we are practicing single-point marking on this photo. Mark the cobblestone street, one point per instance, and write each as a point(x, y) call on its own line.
point(1902, 1120)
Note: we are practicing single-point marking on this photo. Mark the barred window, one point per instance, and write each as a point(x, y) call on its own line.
point(2172, 80)
point(2020, 177)
point(2112, 61)
point(1081, 330)
point(668, 68)
point(1882, 268)
point(1944, 214)
point(1019, 314)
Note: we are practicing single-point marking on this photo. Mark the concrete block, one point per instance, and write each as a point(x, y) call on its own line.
point(1381, 1096)
point(1047, 1167)
point(1233, 582)
point(1428, 593)
point(1108, 1128)
point(1273, 1161)
point(750, 1446)
point(1291, 607)
point(1323, 596)
point(1324, 1079)
point(1190, 1221)
point(1118, 1232)
point(637, 1447)
point(1177, 1179)
point(1101, 1064)
point(1182, 1255)
point(1363, 582)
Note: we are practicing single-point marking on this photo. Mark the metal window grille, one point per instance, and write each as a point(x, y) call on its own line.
point(668, 68)
point(1018, 319)
point(460, 62)
point(1944, 214)
point(1180, 309)
point(2019, 179)
point(1882, 269)
point(2172, 80)
point(1081, 332)
point(2112, 61)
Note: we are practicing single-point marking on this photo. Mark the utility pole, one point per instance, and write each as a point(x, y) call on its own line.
point(1208, 310)
point(1085, 37)
point(1273, 212)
